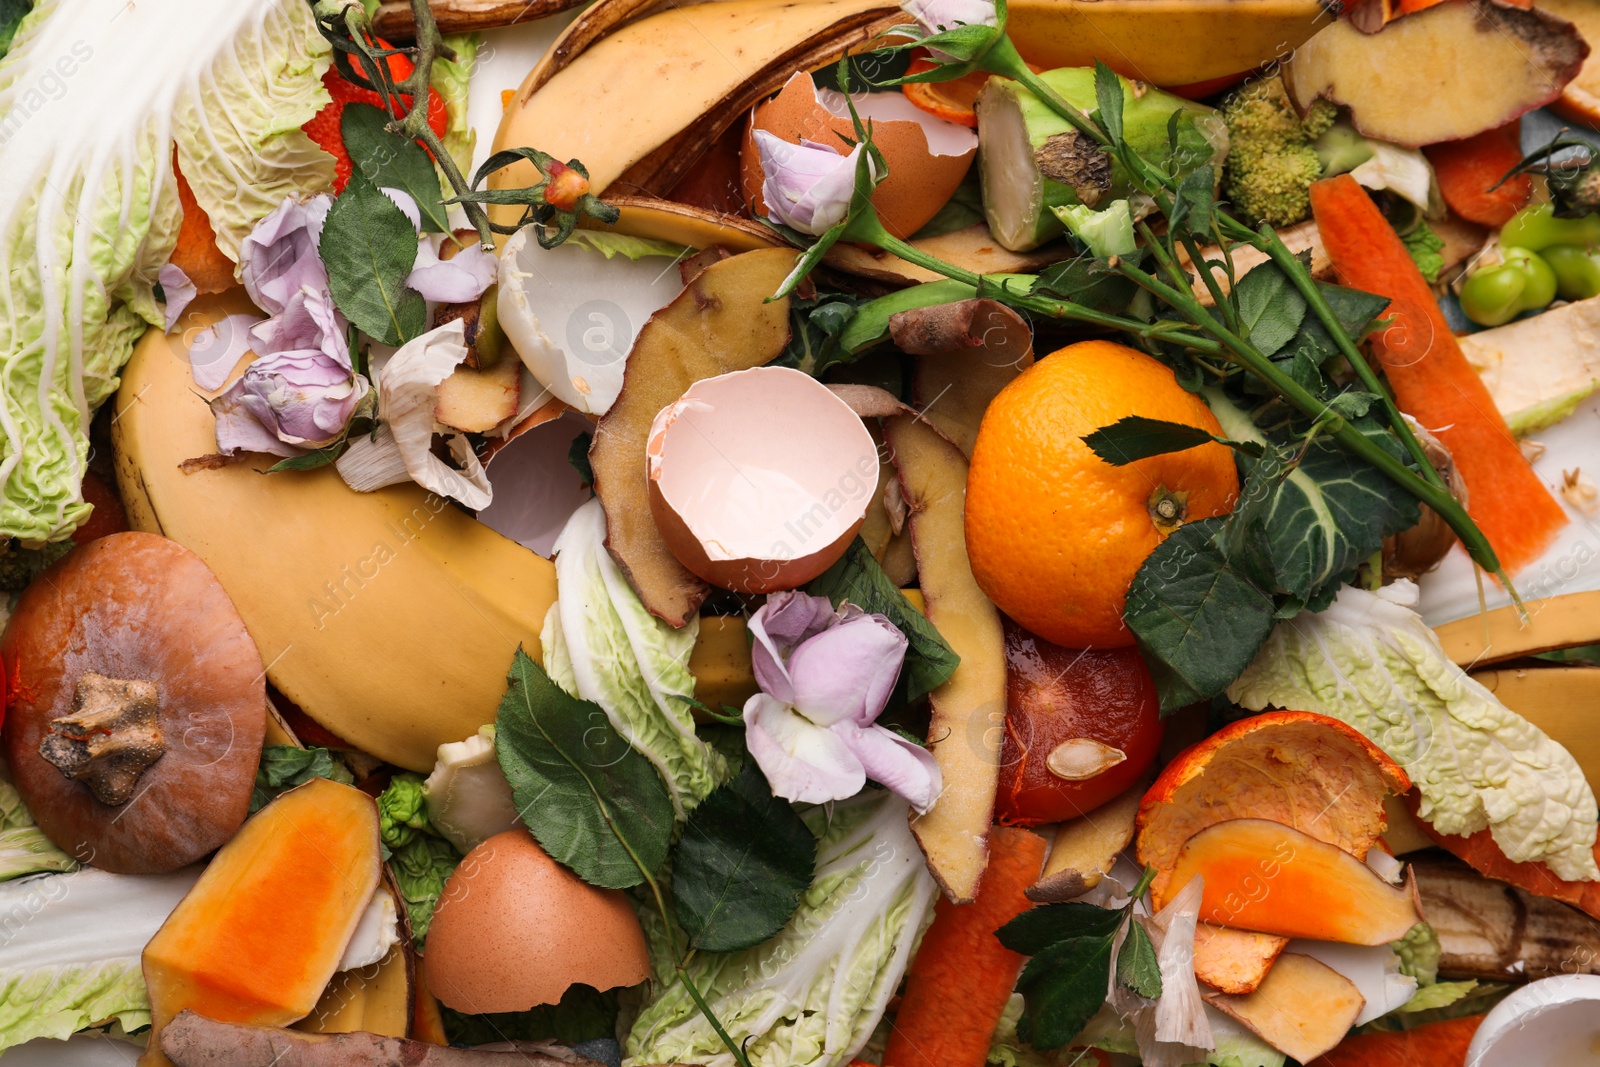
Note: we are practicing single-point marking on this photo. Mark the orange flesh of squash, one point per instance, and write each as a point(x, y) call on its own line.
point(1431, 378)
point(1265, 876)
point(262, 931)
point(196, 253)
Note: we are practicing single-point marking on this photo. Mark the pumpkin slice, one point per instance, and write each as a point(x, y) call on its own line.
point(1268, 877)
point(720, 322)
point(969, 708)
point(263, 930)
point(138, 708)
point(1303, 1009)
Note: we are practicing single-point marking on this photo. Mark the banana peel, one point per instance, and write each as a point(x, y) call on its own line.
point(1558, 700)
point(390, 618)
point(1499, 635)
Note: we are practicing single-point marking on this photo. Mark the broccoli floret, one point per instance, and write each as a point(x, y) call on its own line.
point(19, 566)
point(1272, 160)
point(1420, 953)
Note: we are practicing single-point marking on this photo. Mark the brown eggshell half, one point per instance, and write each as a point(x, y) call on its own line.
point(759, 479)
point(927, 156)
point(514, 928)
point(140, 607)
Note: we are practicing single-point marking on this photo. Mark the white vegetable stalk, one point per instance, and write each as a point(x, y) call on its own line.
point(70, 947)
point(92, 96)
point(1370, 661)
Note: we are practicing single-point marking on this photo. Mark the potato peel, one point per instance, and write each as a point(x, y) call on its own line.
point(969, 709)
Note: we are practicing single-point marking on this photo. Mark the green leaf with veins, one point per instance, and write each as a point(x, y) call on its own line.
point(369, 248)
point(741, 866)
point(1197, 614)
point(1063, 986)
point(12, 12)
point(1135, 437)
point(1108, 97)
point(590, 800)
point(1327, 514)
point(1191, 207)
point(858, 578)
point(1270, 307)
point(1137, 965)
point(1083, 280)
point(1037, 928)
point(389, 160)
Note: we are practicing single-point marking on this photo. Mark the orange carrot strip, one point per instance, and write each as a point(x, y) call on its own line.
point(1432, 380)
point(1469, 170)
point(962, 976)
point(1441, 1044)
point(197, 254)
point(1484, 856)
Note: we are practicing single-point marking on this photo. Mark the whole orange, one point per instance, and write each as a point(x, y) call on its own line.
point(1055, 533)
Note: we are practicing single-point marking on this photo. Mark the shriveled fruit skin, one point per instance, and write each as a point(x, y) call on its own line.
point(262, 932)
point(721, 322)
point(140, 607)
point(1055, 695)
point(1055, 533)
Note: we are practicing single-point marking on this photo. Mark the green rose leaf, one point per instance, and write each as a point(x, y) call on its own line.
point(591, 801)
point(369, 247)
point(743, 862)
point(391, 161)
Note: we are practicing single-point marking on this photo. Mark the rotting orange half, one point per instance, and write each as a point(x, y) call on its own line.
point(1055, 533)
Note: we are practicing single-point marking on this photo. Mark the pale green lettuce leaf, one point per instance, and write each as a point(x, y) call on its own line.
point(23, 847)
point(1233, 1045)
point(450, 79)
point(91, 96)
point(239, 139)
point(72, 949)
point(812, 995)
point(1438, 995)
point(1370, 661)
point(636, 667)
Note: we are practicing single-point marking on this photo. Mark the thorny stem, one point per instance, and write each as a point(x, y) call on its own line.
point(429, 45)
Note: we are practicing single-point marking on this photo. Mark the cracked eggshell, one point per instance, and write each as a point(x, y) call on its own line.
point(927, 156)
point(514, 929)
point(572, 314)
point(1549, 1023)
point(760, 478)
point(536, 488)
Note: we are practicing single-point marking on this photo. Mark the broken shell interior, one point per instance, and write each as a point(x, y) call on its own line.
point(536, 488)
point(759, 478)
point(927, 156)
point(572, 313)
point(1545, 1023)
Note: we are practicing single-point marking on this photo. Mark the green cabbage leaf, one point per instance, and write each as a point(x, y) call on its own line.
point(93, 96)
point(23, 847)
point(812, 995)
point(601, 644)
point(72, 949)
point(1370, 661)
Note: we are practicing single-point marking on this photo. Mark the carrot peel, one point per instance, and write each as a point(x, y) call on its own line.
point(962, 976)
point(1431, 378)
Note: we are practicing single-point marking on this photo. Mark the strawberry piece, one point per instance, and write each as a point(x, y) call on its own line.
point(323, 127)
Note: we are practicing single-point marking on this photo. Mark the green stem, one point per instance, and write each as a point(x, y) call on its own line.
point(866, 227)
point(1437, 497)
point(679, 962)
point(1273, 245)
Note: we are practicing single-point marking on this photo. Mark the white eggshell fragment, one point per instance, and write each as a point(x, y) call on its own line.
point(759, 478)
point(536, 488)
point(572, 314)
point(1554, 1022)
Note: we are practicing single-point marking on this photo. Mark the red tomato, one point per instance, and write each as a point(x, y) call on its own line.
point(1102, 701)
